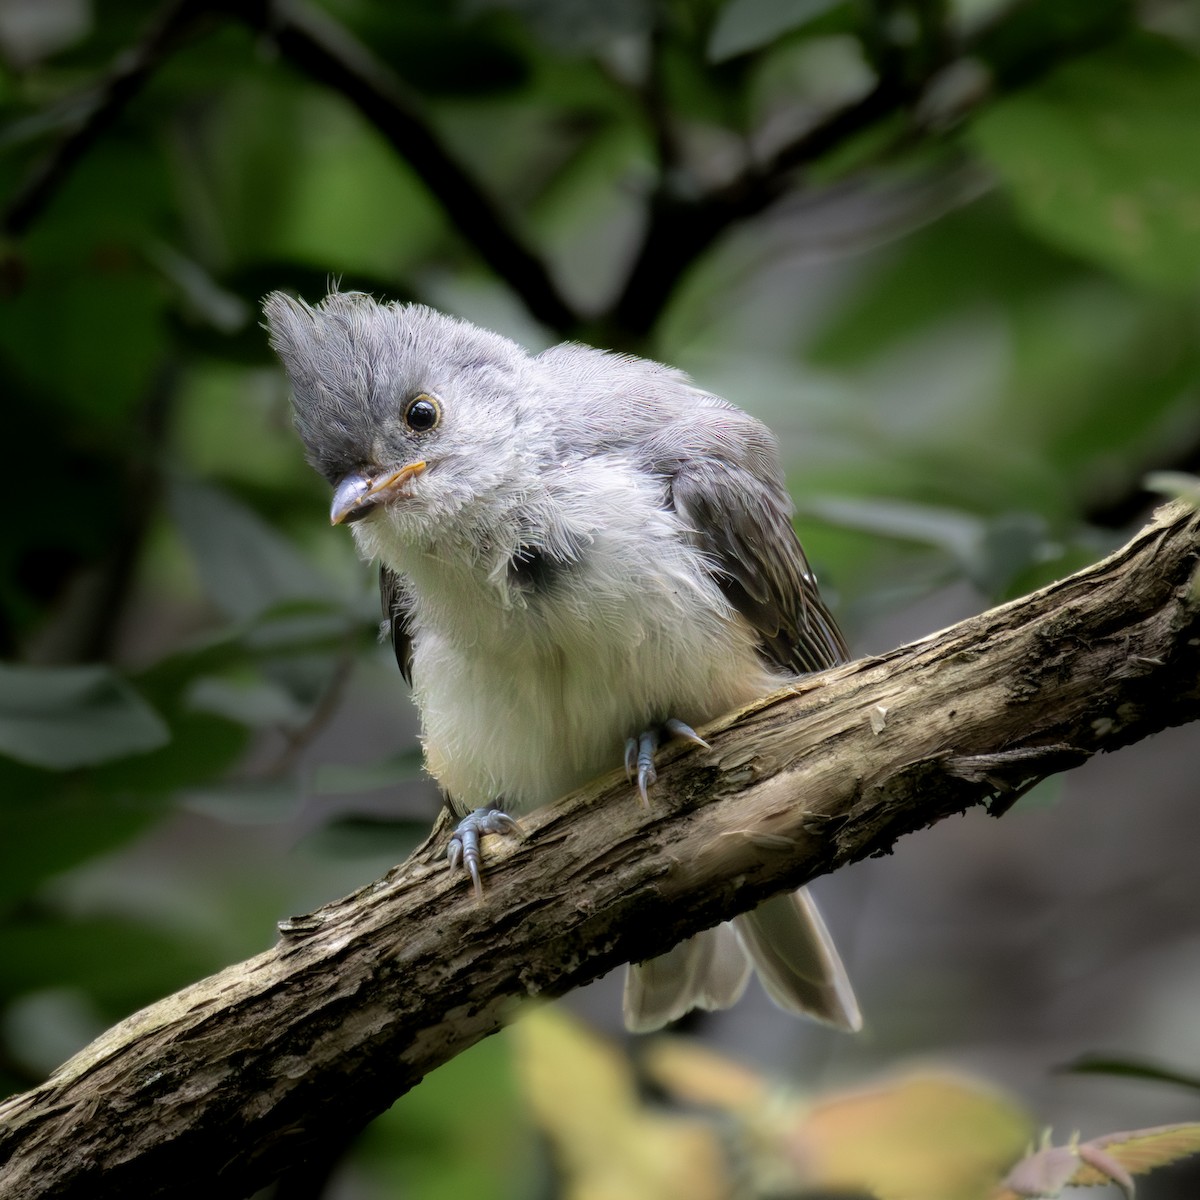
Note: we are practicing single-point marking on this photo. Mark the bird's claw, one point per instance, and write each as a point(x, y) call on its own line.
point(640, 752)
point(464, 848)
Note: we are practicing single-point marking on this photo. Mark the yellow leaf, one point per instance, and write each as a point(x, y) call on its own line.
point(698, 1076)
point(606, 1143)
point(927, 1136)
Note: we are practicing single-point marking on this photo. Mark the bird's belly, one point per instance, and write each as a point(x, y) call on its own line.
point(524, 722)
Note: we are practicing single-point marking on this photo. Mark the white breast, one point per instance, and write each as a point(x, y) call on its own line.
point(528, 693)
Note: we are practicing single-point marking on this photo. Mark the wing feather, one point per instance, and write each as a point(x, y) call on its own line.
point(743, 524)
point(397, 606)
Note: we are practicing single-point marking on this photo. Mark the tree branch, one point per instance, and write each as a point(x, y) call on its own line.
point(314, 43)
point(130, 73)
point(681, 227)
point(215, 1090)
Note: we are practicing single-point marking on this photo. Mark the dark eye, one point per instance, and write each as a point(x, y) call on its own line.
point(422, 413)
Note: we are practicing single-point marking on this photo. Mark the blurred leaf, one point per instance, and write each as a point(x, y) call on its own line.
point(697, 1075)
point(608, 1145)
point(936, 1136)
point(257, 703)
point(44, 1028)
point(579, 25)
point(364, 836)
point(990, 552)
point(122, 965)
point(978, 256)
point(1012, 543)
point(45, 835)
point(65, 717)
point(245, 802)
point(1129, 1068)
point(85, 326)
point(296, 174)
point(958, 533)
point(202, 744)
point(334, 779)
point(1177, 485)
point(463, 1132)
point(449, 50)
point(744, 25)
point(933, 1136)
point(1103, 158)
point(245, 565)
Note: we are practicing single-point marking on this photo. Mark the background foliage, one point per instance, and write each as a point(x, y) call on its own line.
point(949, 249)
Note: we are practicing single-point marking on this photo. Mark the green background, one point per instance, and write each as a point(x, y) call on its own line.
point(949, 251)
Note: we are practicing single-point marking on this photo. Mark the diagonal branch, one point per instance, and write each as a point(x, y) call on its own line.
point(129, 74)
point(999, 56)
point(317, 45)
point(682, 227)
point(314, 43)
point(215, 1090)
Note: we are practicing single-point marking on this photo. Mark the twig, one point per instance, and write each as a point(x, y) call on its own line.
point(97, 632)
point(217, 1089)
point(297, 740)
point(681, 227)
point(313, 42)
point(129, 74)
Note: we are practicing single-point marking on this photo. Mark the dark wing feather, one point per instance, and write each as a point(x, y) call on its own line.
point(743, 525)
point(397, 617)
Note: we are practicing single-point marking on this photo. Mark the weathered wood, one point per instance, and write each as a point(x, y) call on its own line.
point(216, 1089)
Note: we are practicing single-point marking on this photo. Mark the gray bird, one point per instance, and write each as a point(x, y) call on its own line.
point(582, 554)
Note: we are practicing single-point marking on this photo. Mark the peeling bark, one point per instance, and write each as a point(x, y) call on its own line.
point(215, 1090)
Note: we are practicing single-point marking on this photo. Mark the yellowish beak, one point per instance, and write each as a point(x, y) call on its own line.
point(356, 495)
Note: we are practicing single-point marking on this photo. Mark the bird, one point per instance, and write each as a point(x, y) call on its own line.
point(583, 555)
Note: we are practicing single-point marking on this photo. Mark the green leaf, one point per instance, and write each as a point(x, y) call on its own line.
point(957, 533)
point(245, 802)
point(256, 703)
point(337, 779)
point(245, 565)
point(66, 717)
point(463, 1132)
point(45, 835)
point(1177, 485)
point(1129, 1068)
point(1103, 158)
point(367, 836)
point(745, 25)
point(119, 963)
point(922, 284)
point(577, 26)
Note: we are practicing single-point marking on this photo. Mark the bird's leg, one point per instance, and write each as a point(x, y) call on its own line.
point(640, 751)
point(464, 847)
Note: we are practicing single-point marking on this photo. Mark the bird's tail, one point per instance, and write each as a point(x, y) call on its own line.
point(786, 942)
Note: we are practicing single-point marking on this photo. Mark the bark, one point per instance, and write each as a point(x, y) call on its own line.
point(216, 1090)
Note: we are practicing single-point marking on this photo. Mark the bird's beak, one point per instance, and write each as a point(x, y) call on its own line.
point(356, 495)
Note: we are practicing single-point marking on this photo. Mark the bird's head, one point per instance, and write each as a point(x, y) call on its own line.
point(415, 418)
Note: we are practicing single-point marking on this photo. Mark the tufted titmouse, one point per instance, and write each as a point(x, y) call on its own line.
point(581, 554)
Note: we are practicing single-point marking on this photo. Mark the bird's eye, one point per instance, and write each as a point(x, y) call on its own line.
point(422, 413)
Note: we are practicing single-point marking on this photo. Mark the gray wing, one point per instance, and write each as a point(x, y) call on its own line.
point(743, 524)
point(397, 617)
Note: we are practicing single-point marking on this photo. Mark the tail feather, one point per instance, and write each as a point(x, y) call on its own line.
point(784, 939)
point(707, 971)
point(794, 956)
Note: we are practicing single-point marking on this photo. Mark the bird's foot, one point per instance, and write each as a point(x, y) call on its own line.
point(464, 848)
point(640, 752)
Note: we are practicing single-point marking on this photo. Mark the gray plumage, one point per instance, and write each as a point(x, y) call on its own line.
point(575, 547)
